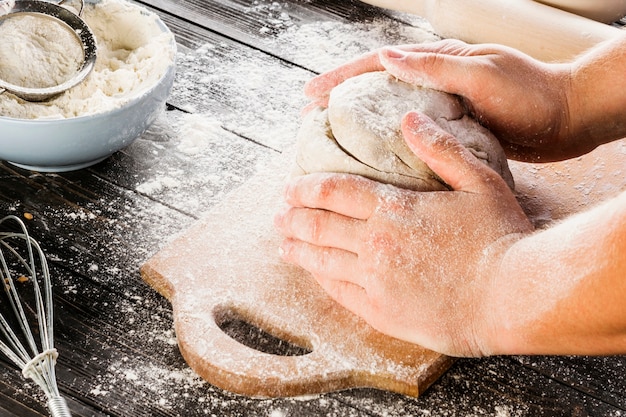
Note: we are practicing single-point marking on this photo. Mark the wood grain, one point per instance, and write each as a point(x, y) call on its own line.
point(228, 264)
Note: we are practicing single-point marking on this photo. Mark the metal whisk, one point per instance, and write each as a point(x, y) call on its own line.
point(26, 322)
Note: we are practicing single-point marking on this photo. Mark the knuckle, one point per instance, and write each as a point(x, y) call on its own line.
point(325, 188)
point(316, 226)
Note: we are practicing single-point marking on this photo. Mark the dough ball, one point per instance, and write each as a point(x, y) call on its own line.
point(359, 133)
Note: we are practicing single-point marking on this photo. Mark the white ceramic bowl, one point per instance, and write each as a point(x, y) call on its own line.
point(57, 145)
point(602, 10)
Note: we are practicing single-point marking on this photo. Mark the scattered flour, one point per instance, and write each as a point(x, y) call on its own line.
point(275, 17)
point(236, 84)
point(200, 144)
point(157, 185)
point(160, 384)
point(133, 54)
point(277, 413)
point(6, 6)
point(237, 79)
point(97, 391)
point(169, 384)
point(337, 42)
point(197, 133)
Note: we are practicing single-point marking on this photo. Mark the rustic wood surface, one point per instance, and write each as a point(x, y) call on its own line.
point(118, 352)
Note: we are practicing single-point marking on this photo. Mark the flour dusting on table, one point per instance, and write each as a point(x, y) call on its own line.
point(207, 156)
point(260, 99)
point(197, 134)
point(323, 46)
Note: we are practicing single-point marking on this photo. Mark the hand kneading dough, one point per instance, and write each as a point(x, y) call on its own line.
point(359, 133)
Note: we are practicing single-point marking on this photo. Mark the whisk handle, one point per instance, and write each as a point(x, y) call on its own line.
point(58, 407)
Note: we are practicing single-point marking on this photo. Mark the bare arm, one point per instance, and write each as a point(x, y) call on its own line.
point(563, 290)
point(597, 98)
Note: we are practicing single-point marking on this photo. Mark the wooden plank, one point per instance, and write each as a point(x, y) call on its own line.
point(246, 20)
point(601, 377)
point(257, 93)
point(247, 92)
point(136, 371)
point(17, 396)
point(101, 233)
point(184, 162)
point(118, 354)
point(316, 35)
point(124, 360)
point(141, 347)
point(105, 222)
point(486, 387)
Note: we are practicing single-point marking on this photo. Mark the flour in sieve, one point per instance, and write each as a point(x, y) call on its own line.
point(133, 54)
point(38, 51)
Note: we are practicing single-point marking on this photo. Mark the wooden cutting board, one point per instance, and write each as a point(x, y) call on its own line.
point(227, 266)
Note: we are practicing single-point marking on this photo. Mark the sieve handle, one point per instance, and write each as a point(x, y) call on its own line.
point(82, 6)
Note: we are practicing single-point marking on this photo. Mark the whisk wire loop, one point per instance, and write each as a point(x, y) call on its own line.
point(36, 357)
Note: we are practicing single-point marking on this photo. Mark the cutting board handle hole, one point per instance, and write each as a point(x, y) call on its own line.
point(235, 325)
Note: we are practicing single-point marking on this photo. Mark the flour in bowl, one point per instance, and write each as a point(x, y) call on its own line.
point(133, 54)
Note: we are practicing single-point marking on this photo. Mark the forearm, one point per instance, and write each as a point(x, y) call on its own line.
point(598, 94)
point(563, 290)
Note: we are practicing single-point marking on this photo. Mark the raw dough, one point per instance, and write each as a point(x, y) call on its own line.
point(360, 133)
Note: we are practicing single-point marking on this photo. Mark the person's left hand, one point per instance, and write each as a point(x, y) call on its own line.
point(415, 265)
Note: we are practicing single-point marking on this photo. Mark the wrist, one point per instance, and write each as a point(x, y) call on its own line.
point(496, 330)
point(596, 97)
point(576, 116)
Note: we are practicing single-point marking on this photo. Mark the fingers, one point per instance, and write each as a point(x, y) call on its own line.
point(335, 270)
point(345, 194)
point(324, 263)
point(441, 66)
point(437, 64)
point(445, 155)
point(323, 229)
point(318, 88)
point(320, 228)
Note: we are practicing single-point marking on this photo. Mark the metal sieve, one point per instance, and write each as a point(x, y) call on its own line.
point(16, 79)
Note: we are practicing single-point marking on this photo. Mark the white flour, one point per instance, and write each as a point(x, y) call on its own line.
point(197, 134)
point(38, 52)
point(322, 46)
point(205, 156)
point(133, 54)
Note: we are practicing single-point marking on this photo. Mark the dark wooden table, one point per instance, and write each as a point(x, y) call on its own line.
point(241, 67)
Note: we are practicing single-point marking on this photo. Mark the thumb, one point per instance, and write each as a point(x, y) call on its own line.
point(447, 157)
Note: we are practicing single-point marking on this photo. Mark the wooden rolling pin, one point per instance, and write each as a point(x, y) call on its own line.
point(542, 31)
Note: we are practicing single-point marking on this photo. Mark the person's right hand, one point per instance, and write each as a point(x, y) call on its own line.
point(523, 101)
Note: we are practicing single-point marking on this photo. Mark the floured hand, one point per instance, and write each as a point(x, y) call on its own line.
point(524, 102)
point(415, 265)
